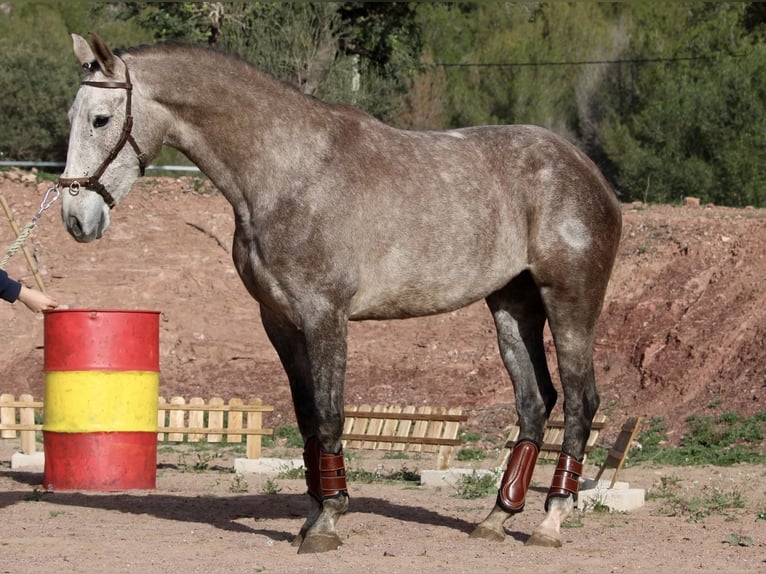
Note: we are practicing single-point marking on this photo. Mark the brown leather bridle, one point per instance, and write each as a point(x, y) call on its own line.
point(92, 182)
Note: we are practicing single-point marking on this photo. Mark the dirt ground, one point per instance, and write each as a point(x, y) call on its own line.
point(682, 332)
point(193, 522)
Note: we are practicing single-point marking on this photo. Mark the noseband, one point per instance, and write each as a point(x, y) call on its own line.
point(92, 183)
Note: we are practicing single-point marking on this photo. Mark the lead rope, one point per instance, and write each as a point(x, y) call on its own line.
point(27, 231)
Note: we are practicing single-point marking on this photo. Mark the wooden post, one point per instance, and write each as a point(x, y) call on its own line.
point(161, 418)
point(373, 428)
point(215, 419)
point(619, 451)
point(234, 421)
point(404, 427)
point(196, 419)
point(254, 421)
point(434, 429)
point(451, 429)
point(27, 418)
point(359, 426)
point(420, 429)
point(7, 416)
point(389, 428)
point(176, 420)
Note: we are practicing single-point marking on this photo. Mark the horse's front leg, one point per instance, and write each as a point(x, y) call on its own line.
point(315, 362)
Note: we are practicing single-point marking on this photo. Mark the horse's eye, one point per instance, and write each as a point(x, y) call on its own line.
point(100, 121)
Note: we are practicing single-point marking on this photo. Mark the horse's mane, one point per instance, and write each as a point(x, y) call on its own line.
point(179, 45)
point(226, 57)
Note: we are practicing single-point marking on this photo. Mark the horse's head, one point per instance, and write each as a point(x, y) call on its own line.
point(100, 168)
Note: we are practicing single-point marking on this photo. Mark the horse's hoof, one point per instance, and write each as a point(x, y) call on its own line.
point(485, 533)
point(315, 543)
point(539, 539)
point(297, 541)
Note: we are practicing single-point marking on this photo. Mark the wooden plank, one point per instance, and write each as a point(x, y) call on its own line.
point(348, 423)
point(434, 429)
point(360, 426)
point(224, 408)
point(19, 427)
point(374, 426)
point(419, 429)
point(513, 436)
point(196, 419)
point(27, 418)
point(403, 428)
point(408, 440)
point(348, 418)
point(176, 420)
point(451, 429)
point(7, 415)
point(254, 423)
point(417, 416)
point(595, 430)
point(215, 419)
point(552, 443)
point(599, 422)
point(619, 451)
point(234, 420)
point(219, 431)
point(161, 423)
point(389, 426)
point(19, 403)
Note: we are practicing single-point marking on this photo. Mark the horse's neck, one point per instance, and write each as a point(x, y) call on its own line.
point(230, 122)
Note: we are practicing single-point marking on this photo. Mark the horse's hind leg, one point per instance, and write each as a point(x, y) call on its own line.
point(315, 367)
point(519, 318)
point(572, 321)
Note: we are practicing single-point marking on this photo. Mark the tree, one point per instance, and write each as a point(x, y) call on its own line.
point(39, 76)
point(353, 52)
point(690, 127)
point(37, 83)
point(503, 61)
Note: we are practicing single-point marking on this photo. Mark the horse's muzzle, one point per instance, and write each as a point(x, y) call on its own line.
point(84, 233)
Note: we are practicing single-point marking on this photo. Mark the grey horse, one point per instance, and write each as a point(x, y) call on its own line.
point(340, 217)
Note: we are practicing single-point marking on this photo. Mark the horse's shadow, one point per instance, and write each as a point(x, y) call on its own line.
point(223, 512)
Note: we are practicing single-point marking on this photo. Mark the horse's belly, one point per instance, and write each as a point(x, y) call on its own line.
point(422, 298)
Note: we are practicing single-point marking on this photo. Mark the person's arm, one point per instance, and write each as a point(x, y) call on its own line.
point(37, 301)
point(9, 289)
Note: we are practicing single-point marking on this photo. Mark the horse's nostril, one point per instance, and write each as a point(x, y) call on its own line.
point(74, 226)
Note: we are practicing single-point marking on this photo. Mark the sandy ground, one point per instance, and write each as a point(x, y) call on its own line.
point(681, 333)
point(193, 522)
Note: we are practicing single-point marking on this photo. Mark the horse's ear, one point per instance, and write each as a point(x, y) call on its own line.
point(82, 51)
point(103, 55)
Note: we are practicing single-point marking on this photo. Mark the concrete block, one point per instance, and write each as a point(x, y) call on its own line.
point(31, 462)
point(620, 498)
point(266, 465)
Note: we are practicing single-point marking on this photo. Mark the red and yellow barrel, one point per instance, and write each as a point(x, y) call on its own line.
point(101, 394)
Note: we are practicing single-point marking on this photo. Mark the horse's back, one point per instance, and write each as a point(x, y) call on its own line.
point(467, 210)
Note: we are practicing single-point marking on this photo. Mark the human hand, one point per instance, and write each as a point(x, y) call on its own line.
point(37, 301)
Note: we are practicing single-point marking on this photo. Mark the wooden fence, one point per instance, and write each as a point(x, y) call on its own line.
point(411, 429)
point(176, 421)
point(197, 421)
point(19, 417)
point(393, 428)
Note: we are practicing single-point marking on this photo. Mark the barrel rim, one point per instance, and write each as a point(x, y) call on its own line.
point(94, 310)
